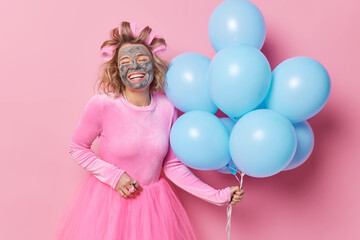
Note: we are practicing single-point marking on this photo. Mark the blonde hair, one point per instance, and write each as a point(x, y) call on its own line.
point(109, 79)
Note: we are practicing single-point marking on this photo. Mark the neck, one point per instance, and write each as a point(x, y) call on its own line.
point(138, 98)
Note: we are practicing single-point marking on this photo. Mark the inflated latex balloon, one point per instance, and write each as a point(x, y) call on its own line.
point(230, 168)
point(300, 88)
point(261, 106)
point(239, 78)
point(228, 122)
point(262, 143)
point(236, 22)
point(187, 84)
point(200, 140)
point(305, 144)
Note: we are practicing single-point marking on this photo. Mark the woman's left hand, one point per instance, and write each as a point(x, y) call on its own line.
point(236, 194)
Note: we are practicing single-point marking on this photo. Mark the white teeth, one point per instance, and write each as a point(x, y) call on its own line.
point(137, 76)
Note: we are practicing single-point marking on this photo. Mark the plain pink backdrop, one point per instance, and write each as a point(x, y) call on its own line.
point(49, 61)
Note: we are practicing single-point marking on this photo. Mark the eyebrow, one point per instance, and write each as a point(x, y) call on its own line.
point(139, 54)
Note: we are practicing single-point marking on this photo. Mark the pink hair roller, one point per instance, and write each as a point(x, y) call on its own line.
point(108, 51)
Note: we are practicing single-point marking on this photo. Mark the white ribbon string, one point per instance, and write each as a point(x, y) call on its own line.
point(228, 225)
point(229, 207)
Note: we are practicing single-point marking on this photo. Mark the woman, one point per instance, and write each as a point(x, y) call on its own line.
point(125, 197)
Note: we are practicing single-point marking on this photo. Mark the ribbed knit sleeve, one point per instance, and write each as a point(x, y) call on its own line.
point(88, 128)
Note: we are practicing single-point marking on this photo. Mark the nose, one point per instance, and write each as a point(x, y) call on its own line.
point(134, 64)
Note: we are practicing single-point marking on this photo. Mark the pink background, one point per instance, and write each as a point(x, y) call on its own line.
point(49, 61)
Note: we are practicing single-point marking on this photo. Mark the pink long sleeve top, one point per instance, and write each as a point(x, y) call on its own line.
point(135, 140)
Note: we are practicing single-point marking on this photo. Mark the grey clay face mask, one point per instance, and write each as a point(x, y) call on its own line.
point(136, 63)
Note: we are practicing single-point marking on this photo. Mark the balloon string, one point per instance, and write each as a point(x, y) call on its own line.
point(229, 207)
point(228, 211)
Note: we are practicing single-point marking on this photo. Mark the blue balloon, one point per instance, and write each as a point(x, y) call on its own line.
point(235, 119)
point(239, 79)
point(305, 144)
point(262, 143)
point(230, 168)
point(228, 122)
point(261, 105)
point(186, 82)
point(200, 140)
point(236, 22)
point(300, 88)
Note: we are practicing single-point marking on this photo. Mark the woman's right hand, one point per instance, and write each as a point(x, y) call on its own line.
point(124, 185)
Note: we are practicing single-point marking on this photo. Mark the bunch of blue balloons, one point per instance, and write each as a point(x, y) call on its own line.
point(266, 131)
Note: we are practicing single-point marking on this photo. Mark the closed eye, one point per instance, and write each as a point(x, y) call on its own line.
point(143, 58)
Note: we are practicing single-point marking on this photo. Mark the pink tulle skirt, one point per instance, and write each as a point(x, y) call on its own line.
point(100, 212)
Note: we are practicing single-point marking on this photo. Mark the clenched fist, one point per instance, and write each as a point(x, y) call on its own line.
point(236, 194)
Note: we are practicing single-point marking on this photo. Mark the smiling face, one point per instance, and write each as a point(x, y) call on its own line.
point(135, 66)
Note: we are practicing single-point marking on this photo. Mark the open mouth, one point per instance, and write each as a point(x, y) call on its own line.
point(136, 76)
